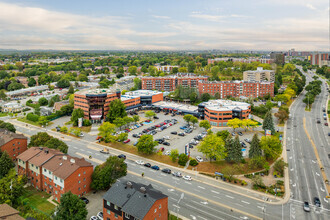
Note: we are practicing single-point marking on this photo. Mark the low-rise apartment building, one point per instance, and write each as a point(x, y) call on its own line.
point(259, 75)
point(127, 200)
point(14, 144)
point(54, 172)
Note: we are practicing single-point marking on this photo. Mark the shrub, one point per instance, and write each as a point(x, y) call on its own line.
point(87, 122)
point(193, 162)
point(183, 158)
point(32, 117)
point(64, 129)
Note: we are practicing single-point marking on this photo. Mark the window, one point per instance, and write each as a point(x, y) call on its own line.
point(44, 170)
point(116, 216)
point(116, 207)
point(45, 184)
point(13, 144)
point(79, 181)
point(155, 210)
point(84, 186)
point(32, 165)
point(55, 185)
point(160, 206)
point(61, 181)
point(79, 174)
point(126, 215)
point(84, 179)
point(13, 149)
point(55, 177)
point(61, 188)
point(84, 172)
point(36, 167)
point(79, 188)
point(56, 192)
point(108, 211)
point(49, 172)
point(18, 142)
point(108, 203)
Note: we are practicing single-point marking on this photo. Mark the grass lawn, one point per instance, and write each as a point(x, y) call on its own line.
point(133, 150)
point(38, 200)
point(29, 122)
point(3, 114)
point(84, 129)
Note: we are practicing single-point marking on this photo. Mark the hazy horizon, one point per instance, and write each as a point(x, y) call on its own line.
point(165, 26)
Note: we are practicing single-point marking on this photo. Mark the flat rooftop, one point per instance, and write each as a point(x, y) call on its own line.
point(94, 91)
point(177, 106)
point(139, 93)
point(225, 105)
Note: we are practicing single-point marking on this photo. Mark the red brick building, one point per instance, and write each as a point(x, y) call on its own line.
point(14, 144)
point(223, 88)
point(127, 200)
point(54, 172)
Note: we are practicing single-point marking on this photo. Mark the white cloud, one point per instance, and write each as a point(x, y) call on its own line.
point(161, 17)
point(310, 6)
point(215, 18)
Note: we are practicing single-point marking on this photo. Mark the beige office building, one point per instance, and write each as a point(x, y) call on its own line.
point(259, 75)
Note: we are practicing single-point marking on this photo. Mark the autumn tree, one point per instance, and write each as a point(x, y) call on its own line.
point(213, 147)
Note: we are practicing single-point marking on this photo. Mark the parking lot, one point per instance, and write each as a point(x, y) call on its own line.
point(175, 141)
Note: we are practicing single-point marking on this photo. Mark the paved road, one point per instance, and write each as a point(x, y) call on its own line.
point(305, 179)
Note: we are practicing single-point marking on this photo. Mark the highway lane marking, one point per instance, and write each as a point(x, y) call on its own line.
point(322, 189)
point(230, 197)
point(326, 200)
point(201, 217)
point(75, 147)
point(187, 182)
point(204, 203)
point(193, 217)
point(260, 207)
point(317, 174)
point(176, 206)
point(201, 187)
point(215, 192)
point(245, 202)
point(313, 161)
point(216, 217)
point(197, 190)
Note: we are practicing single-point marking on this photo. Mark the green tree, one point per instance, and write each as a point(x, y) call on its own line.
point(268, 123)
point(3, 95)
point(64, 129)
point(132, 70)
point(255, 149)
point(187, 118)
point(205, 97)
point(150, 114)
point(223, 134)
point(137, 83)
point(193, 120)
point(204, 124)
point(71, 89)
point(119, 122)
point(11, 188)
point(71, 207)
point(174, 154)
point(107, 173)
point(235, 123)
point(269, 105)
point(43, 120)
point(236, 150)
point(271, 146)
point(146, 144)
point(63, 83)
point(39, 139)
point(193, 97)
point(183, 159)
point(76, 114)
point(191, 67)
point(117, 109)
point(75, 131)
point(136, 118)
point(122, 137)
point(279, 166)
point(55, 143)
point(51, 103)
point(43, 101)
point(8, 126)
point(128, 120)
point(213, 147)
point(5, 164)
point(32, 82)
point(106, 129)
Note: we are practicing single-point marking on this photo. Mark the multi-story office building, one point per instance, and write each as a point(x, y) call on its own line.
point(14, 144)
point(218, 112)
point(95, 103)
point(54, 172)
point(170, 83)
point(259, 75)
point(130, 200)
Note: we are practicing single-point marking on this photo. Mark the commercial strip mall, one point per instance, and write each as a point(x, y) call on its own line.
point(95, 104)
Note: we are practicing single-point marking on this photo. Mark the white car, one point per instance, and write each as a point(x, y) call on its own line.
point(100, 215)
point(81, 135)
point(187, 178)
point(168, 152)
point(94, 218)
point(199, 159)
point(167, 137)
point(140, 162)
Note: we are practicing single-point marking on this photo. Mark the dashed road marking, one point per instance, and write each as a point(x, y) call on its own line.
point(229, 196)
point(215, 192)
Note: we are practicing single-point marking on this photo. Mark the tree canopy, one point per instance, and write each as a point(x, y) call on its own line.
point(76, 114)
point(117, 109)
point(71, 207)
point(213, 147)
point(146, 144)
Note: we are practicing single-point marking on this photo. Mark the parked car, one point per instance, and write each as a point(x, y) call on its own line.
point(122, 156)
point(240, 133)
point(135, 135)
point(81, 135)
point(174, 132)
point(199, 159)
point(135, 143)
point(166, 143)
point(243, 144)
point(166, 137)
point(166, 170)
point(126, 141)
point(94, 218)
point(317, 202)
point(183, 127)
point(306, 207)
point(187, 178)
point(100, 215)
point(247, 140)
point(166, 113)
point(181, 134)
point(326, 124)
point(154, 167)
point(86, 201)
point(177, 174)
point(155, 117)
point(147, 165)
point(140, 162)
point(168, 152)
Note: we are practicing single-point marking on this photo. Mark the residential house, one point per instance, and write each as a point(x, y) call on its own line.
point(9, 213)
point(134, 201)
point(14, 144)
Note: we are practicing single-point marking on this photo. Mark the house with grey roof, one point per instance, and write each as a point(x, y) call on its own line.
point(127, 200)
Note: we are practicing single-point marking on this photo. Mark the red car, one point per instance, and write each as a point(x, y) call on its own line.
point(157, 126)
point(128, 140)
point(326, 124)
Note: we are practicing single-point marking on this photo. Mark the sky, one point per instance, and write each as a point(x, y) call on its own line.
point(165, 25)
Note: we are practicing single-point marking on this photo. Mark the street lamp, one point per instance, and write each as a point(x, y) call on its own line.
point(177, 208)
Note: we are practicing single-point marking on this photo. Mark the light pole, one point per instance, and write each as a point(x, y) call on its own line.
point(177, 208)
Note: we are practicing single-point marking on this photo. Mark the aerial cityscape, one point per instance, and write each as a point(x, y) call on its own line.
point(164, 110)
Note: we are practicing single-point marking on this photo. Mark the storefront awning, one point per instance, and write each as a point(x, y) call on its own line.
point(95, 117)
